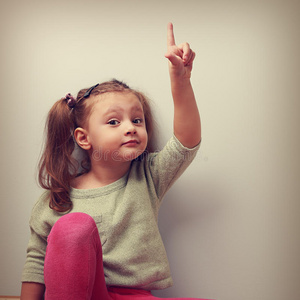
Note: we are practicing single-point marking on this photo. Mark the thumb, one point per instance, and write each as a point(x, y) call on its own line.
point(174, 60)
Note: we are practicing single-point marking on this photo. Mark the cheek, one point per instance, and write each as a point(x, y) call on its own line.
point(145, 137)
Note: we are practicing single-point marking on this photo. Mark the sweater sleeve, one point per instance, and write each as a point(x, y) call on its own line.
point(34, 266)
point(169, 164)
point(33, 270)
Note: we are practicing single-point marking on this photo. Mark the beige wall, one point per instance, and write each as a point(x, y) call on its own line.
point(231, 224)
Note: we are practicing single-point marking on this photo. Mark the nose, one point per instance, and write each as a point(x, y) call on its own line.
point(130, 129)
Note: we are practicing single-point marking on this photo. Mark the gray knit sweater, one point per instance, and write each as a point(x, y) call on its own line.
point(126, 214)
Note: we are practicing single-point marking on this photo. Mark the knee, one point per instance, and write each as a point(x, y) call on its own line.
point(75, 219)
point(76, 226)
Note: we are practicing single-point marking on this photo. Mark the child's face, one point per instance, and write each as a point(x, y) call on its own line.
point(116, 128)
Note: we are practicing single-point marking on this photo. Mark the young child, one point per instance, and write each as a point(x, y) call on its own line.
point(115, 197)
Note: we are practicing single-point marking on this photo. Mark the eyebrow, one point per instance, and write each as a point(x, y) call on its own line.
point(116, 109)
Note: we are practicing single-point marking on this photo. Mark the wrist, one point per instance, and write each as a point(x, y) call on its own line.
point(181, 84)
point(178, 76)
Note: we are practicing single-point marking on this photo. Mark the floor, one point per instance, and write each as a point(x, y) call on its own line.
point(9, 297)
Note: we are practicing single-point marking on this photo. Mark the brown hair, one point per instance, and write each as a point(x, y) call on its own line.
point(57, 166)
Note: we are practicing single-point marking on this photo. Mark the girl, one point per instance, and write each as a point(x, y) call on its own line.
point(115, 197)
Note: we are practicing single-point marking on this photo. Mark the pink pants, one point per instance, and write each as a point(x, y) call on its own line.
point(73, 267)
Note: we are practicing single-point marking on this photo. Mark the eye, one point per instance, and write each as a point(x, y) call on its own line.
point(138, 120)
point(113, 122)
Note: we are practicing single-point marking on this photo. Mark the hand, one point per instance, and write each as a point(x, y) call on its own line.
point(180, 57)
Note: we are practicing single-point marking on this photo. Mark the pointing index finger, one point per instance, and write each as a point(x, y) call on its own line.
point(170, 35)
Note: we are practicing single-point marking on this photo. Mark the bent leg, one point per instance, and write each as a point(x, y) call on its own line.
point(73, 268)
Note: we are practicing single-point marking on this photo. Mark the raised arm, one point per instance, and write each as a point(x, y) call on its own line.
point(187, 127)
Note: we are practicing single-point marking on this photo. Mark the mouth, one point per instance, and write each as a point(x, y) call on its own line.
point(131, 143)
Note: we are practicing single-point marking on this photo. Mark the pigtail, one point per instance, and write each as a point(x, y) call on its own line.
point(57, 167)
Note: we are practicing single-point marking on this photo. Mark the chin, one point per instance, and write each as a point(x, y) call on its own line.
point(132, 155)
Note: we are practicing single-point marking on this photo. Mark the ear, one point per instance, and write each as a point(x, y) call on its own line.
point(81, 137)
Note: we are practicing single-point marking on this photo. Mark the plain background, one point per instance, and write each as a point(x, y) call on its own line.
point(231, 223)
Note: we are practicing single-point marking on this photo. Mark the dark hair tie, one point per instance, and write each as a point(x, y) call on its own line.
point(70, 100)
